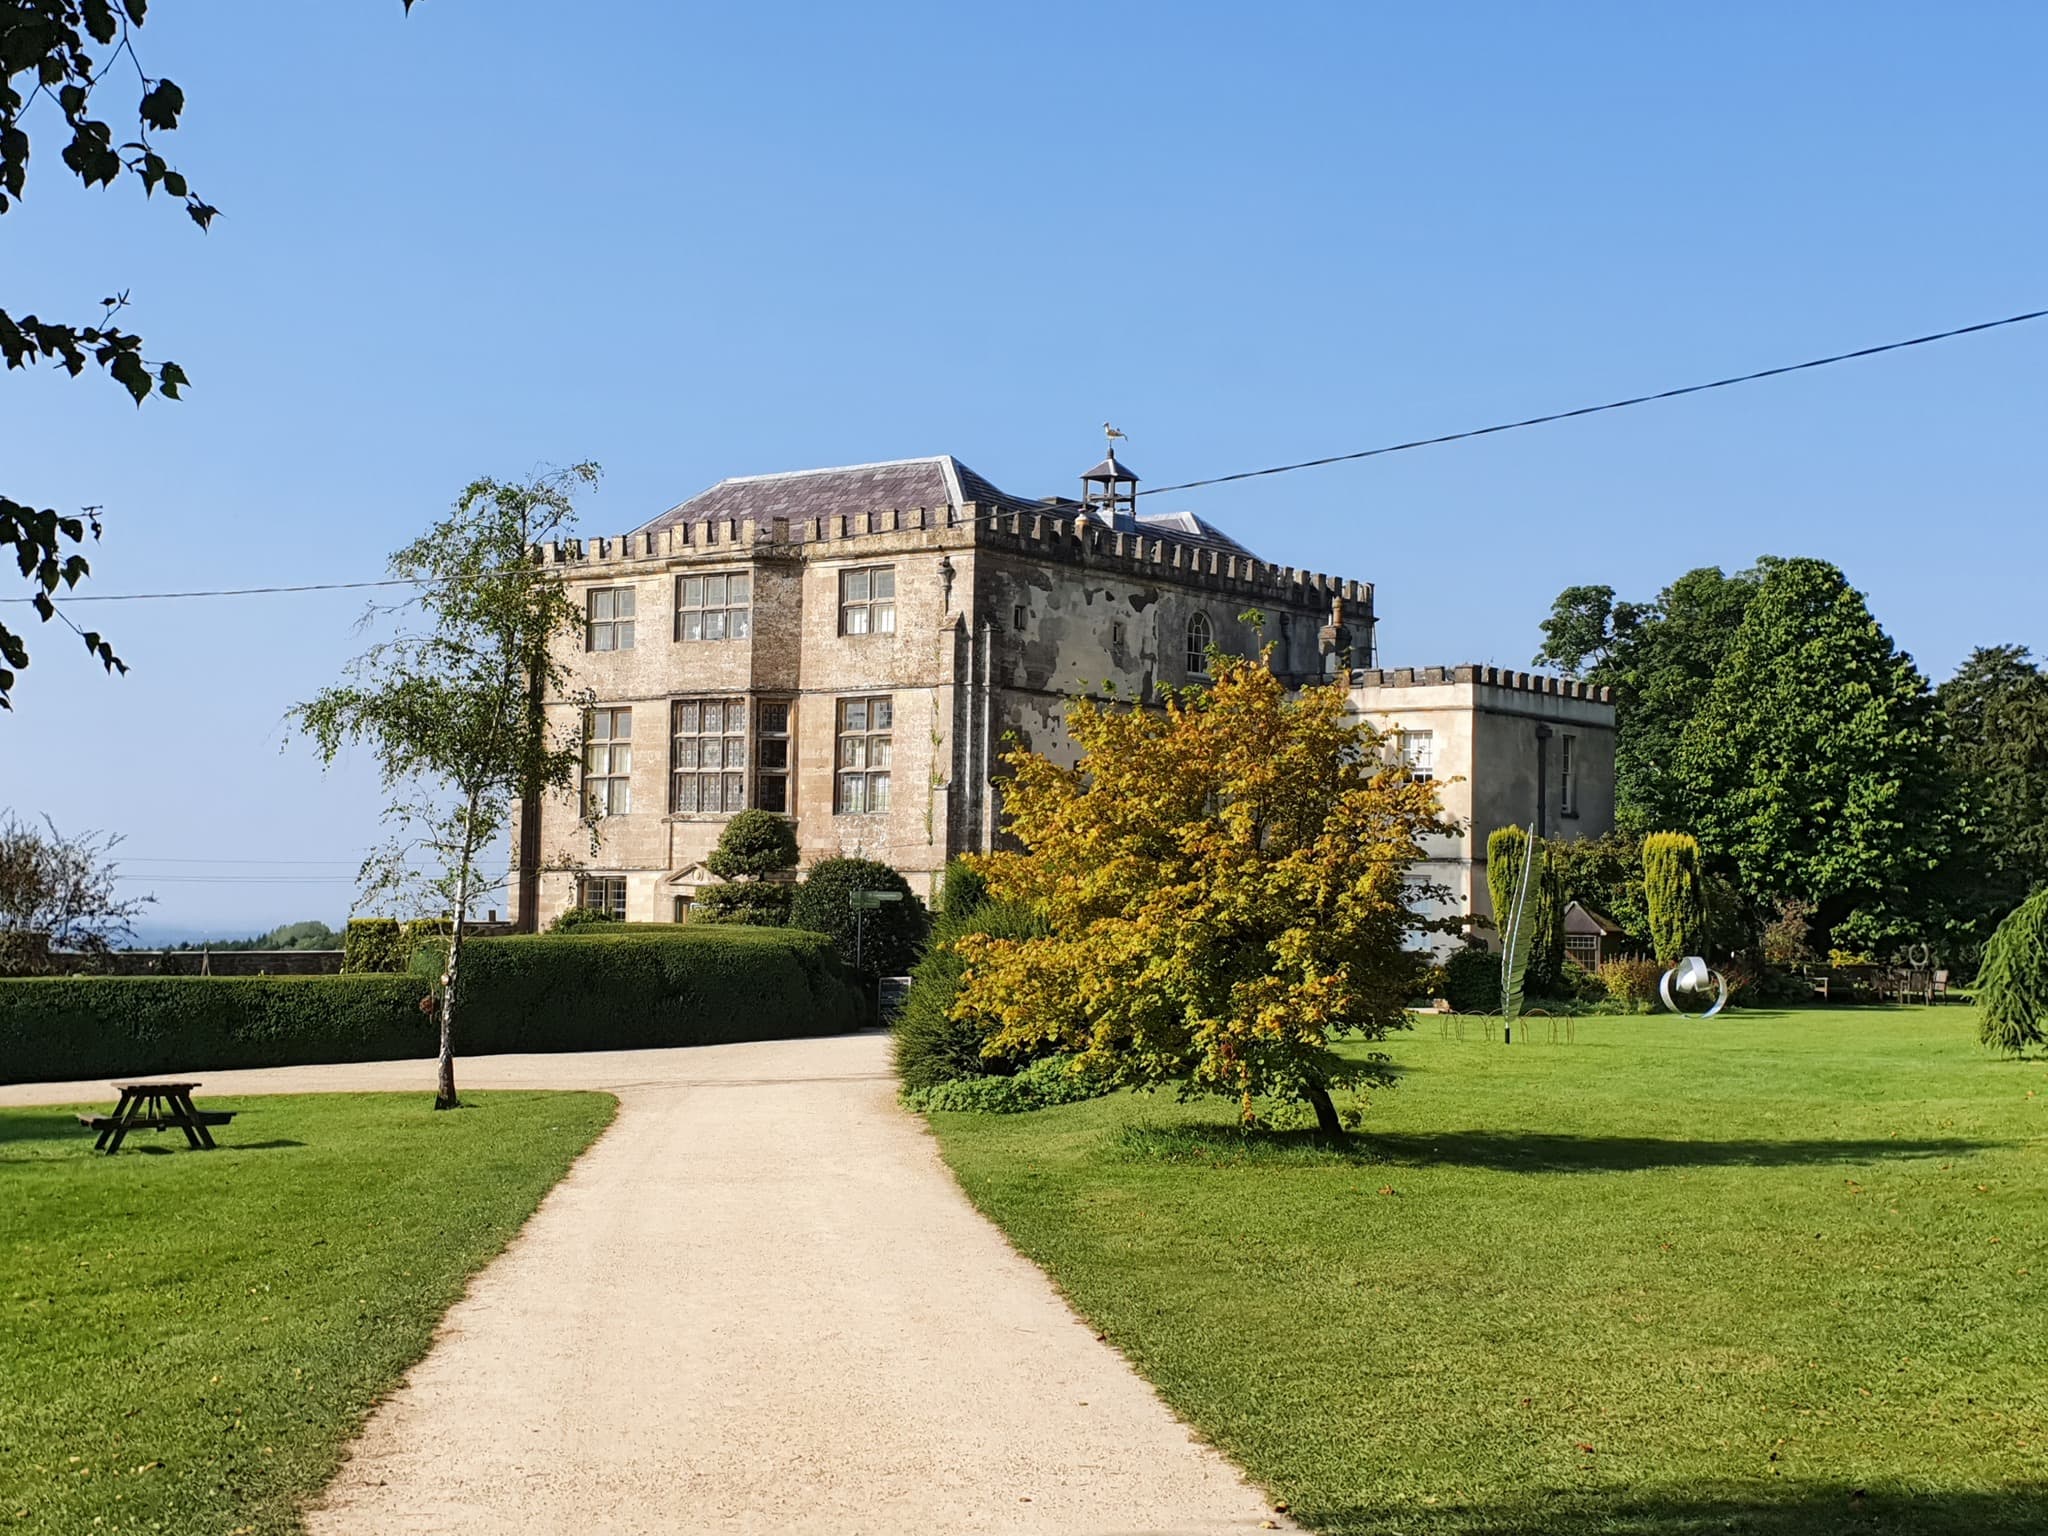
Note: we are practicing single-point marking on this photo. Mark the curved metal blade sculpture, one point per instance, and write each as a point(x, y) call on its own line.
point(1691, 976)
point(1518, 940)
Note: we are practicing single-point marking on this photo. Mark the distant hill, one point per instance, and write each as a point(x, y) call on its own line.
point(310, 934)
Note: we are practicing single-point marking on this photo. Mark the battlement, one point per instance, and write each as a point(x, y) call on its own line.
point(1041, 534)
point(1490, 677)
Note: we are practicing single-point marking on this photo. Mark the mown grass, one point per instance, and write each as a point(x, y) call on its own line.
point(188, 1339)
point(1771, 1274)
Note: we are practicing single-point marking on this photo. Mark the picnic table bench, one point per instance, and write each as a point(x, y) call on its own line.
point(155, 1107)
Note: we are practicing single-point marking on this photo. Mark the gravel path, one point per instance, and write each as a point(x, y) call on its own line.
point(758, 1304)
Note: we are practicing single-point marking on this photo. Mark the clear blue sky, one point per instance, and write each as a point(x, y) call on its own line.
point(691, 241)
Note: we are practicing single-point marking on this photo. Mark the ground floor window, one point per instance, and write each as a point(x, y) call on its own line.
point(603, 893)
point(1584, 948)
point(865, 750)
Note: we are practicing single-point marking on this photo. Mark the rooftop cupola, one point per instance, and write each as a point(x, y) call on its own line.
point(1109, 491)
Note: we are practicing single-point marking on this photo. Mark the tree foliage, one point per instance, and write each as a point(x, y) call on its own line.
point(448, 705)
point(1812, 767)
point(1674, 895)
point(1993, 719)
point(67, 54)
point(1224, 884)
point(59, 892)
point(1606, 874)
point(755, 848)
point(1660, 658)
point(2012, 987)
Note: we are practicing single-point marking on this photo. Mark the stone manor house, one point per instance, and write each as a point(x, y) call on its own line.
point(854, 647)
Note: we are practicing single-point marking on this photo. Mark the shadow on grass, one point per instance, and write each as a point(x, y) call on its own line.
point(1834, 1509)
point(1508, 1151)
point(40, 1125)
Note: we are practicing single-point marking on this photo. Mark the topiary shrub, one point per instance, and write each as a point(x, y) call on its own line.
point(1506, 848)
point(2012, 983)
point(892, 935)
point(932, 1046)
point(753, 903)
point(754, 844)
point(1472, 979)
point(1677, 900)
point(580, 917)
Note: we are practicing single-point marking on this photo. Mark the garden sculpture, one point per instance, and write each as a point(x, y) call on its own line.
point(1691, 975)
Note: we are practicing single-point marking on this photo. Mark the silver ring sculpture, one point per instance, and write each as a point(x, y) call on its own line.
point(1691, 976)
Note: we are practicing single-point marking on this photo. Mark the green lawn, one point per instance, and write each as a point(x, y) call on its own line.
point(189, 1338)
point(1774, 1273)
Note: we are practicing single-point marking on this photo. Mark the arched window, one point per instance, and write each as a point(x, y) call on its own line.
point(1199, 639)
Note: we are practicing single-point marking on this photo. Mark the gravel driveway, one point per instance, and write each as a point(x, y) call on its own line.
point(758, 1304)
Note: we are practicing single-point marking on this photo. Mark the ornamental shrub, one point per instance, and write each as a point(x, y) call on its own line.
point(753, 845)
point(1630, 979)
point(965, 889)
point(2012, 983)
point(932, 1046)
point(1676, 898)
point(1048, 1081)
point(1472, 979)
point(750, 903)
point(61, 1027)
point(893, 934)
point(577, 918)
point(1506, 848)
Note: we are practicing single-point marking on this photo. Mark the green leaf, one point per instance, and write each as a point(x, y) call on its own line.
point(128, 370)
point(161, 104)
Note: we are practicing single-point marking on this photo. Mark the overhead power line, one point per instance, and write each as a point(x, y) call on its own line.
point(1594, 410)
point(1243, 474)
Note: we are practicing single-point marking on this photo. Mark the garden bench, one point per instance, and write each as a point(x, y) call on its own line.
point(155, 1107)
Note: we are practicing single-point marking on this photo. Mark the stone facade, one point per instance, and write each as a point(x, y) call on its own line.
point(1497, 743)
point(877, 722)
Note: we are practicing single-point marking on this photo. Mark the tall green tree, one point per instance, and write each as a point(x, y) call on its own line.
point(1993, 718)
point(1660, 658)
point(1813, 766)
point(447, 705)
point(68, 53)
point(2012, 989)
point(1675, 895)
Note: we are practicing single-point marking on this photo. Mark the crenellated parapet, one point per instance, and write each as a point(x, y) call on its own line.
point(1050, 536)
point(1490, 677)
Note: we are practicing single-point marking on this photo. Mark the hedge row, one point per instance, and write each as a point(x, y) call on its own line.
point(616, 991)
point(56, 1028)
point(627, 986)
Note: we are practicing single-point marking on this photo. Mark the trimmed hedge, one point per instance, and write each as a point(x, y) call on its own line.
point(631, 986)
point(624, 987)
point(56, 1028)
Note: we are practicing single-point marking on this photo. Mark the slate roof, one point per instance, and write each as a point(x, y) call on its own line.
point(939, 481)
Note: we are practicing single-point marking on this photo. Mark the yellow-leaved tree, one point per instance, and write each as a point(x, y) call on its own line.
point(1225, 885)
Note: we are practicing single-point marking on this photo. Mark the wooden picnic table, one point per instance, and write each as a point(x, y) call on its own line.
point(156, 1107)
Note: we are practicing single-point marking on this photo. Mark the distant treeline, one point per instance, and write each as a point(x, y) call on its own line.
point(307, 935)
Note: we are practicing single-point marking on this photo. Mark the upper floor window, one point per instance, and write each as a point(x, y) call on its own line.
point(771, 755)
point(865, 727)
point(1200, 638)
point(1417, 752)
point(707, 756)
point(608, 762)
point(609, 624)
point(1567, 801)
point(714, 607)
point(603, 893)
point(867, 601)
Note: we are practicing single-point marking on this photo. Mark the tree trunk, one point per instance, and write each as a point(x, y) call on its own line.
point(1326, 1113)
point(444, 1086)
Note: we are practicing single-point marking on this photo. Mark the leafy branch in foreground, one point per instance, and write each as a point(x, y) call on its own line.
point(451, 709)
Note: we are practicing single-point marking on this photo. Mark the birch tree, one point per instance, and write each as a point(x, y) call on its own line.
point(450, 706)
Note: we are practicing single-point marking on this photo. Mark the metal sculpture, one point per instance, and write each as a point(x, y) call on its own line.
point(1691, 976)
